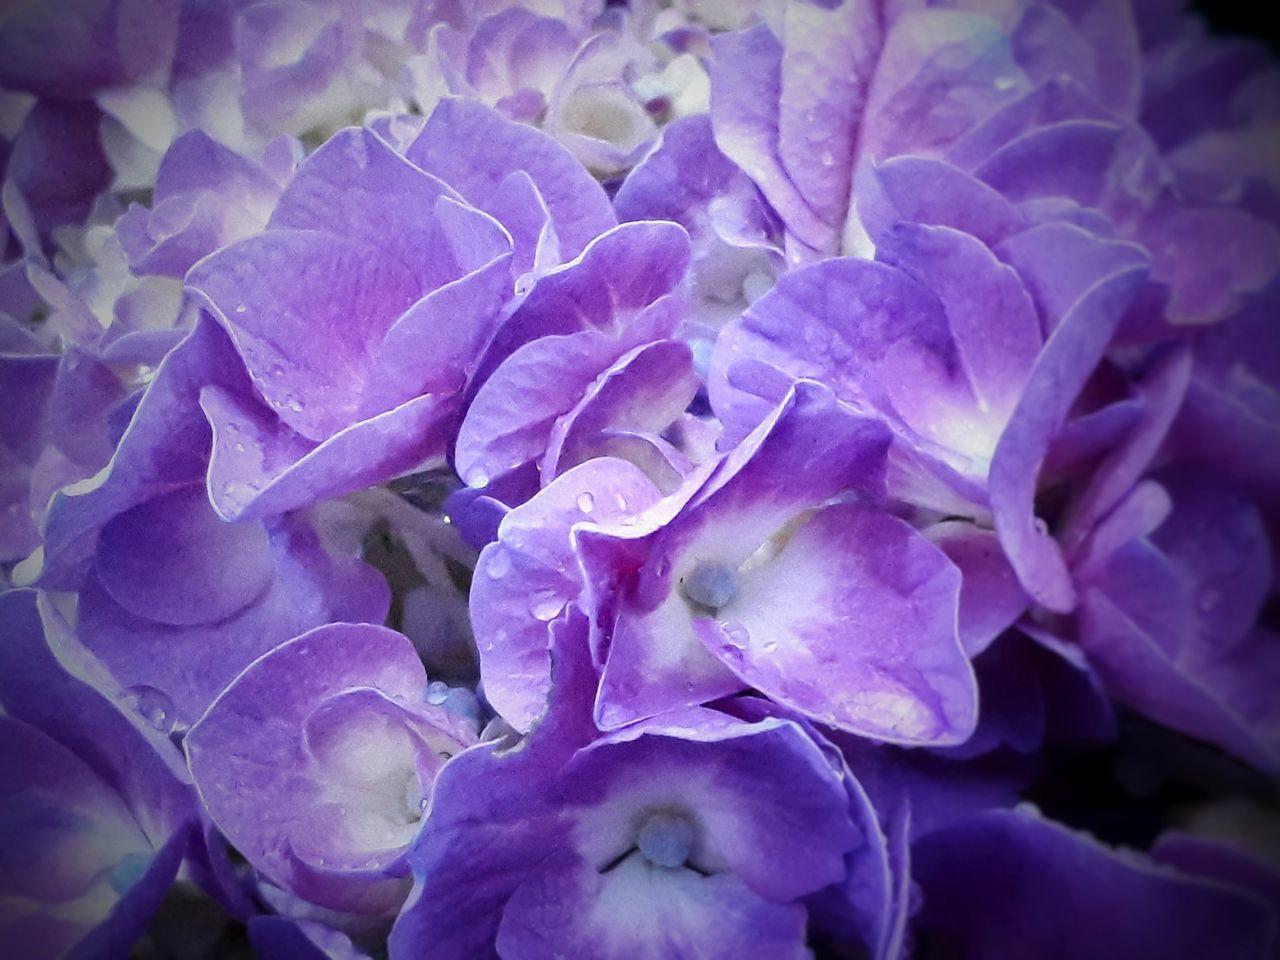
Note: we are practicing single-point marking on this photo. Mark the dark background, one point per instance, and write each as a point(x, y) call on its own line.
point(1257, 18)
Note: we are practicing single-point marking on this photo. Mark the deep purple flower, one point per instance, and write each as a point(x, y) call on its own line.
point(588, 845)
point(1030, 868)
point(98, 810)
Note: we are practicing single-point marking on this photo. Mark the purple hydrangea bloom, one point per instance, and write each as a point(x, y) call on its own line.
point(335, 405)
point(631, 842)
point(159, 571)
point(644, 478)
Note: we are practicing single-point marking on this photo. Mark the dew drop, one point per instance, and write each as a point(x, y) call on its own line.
point(498, 565)
point(586, 502)
point(154, 706)
point(437, 692)
point(769, 646)
point(547, 608)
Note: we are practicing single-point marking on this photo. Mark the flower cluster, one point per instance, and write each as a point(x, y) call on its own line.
point(659, 479)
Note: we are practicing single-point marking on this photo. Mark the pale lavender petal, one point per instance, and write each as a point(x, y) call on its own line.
point(336, 726)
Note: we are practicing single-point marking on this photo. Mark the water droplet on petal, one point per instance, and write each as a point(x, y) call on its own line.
point(498, 564)
point(437, 692)
point(769, 646)
point(547, 608)
point(586, 502)
point(154, 706)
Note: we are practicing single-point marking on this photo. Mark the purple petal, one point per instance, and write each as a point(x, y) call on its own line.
point(1020, 907)
point(173, 560)
point(990, 597)
point(644, 392)
point(307, 311)
point(524, 580)
point(854, 572)
point(474, 149)
point(1069, 356)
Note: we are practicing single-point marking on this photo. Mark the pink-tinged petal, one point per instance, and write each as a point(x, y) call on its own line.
point(317, 760)
point(175, 561)
point(474, 149)
point(924, 190)
point(261, 468)
point(991, 598)
point(746, 86)
point(853, 623)
point(644, 392)
point(1072, 352)
point(307, 311)
point(1042, 865)
point(525, 579)
point(646, 912)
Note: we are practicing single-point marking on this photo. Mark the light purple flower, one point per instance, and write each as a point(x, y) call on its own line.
point(173, 599)
point(372, 264)
point(317, 763)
